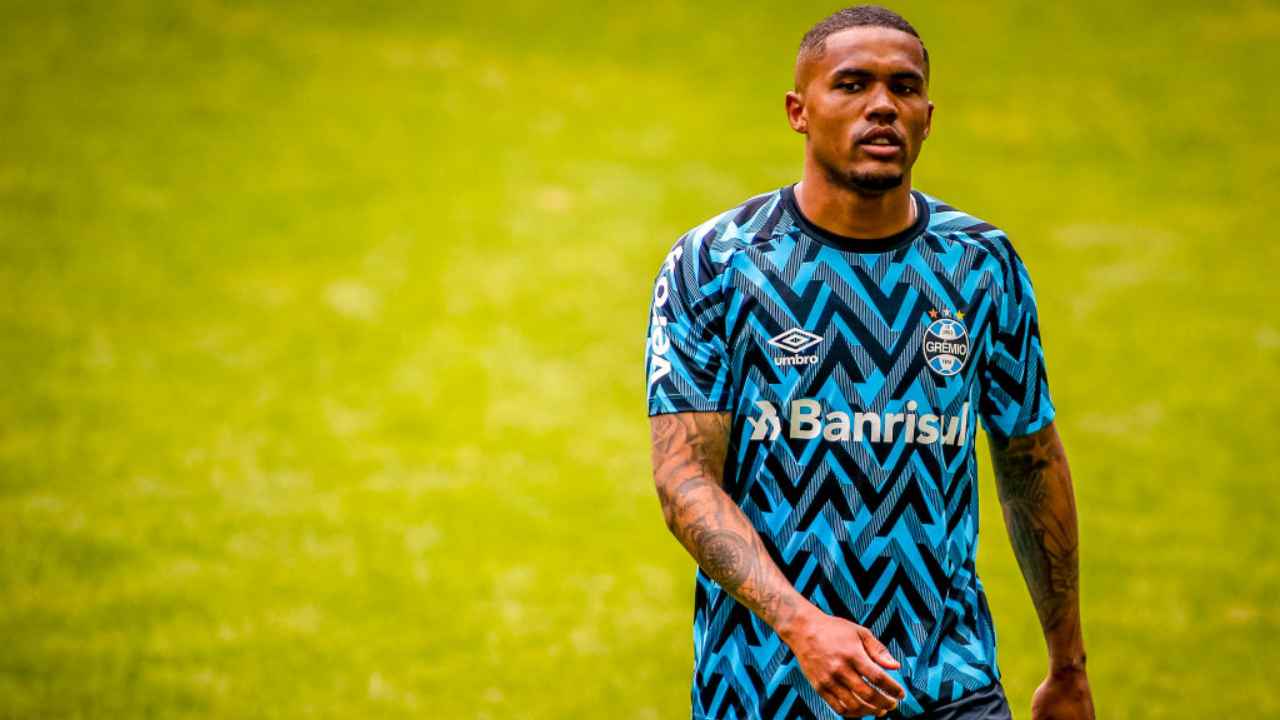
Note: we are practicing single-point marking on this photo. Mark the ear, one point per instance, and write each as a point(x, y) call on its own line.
point(795, 112)
point(928, 121)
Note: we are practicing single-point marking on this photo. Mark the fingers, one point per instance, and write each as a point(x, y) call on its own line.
point(873, 701)
point(843, 699)
point(873, 673)
point(847, 666)
point(877, 650)
point(878, 679)
point(845, 702)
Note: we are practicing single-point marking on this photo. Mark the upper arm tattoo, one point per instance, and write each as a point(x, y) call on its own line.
point(686, 444)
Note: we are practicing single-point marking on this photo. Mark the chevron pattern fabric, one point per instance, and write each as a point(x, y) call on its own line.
point(856, 372)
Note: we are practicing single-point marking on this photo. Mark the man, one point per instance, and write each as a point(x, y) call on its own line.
point(818, 360)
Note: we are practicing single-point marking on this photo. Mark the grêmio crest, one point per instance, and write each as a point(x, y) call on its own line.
point(946, 342)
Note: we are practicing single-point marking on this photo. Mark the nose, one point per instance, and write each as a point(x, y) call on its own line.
point(880, 106)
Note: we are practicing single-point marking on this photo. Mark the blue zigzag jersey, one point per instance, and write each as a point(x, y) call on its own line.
point(855, 372)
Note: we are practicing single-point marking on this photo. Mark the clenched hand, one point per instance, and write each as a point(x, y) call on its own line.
point(1064, 695)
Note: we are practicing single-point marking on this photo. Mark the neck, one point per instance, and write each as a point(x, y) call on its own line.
point(847, 212)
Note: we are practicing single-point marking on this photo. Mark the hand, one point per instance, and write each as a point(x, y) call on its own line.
point(1064, 695)
point(845, 663)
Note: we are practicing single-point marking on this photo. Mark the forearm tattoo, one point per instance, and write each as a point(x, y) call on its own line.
point(689, 452)
point(1035, 491)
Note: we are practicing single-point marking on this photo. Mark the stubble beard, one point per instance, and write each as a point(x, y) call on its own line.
point(862, 183)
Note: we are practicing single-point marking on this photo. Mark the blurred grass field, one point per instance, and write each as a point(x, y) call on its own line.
point(322, 335)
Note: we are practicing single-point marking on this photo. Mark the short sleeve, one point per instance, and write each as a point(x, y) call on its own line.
point(686, 361)
point(1015, 397)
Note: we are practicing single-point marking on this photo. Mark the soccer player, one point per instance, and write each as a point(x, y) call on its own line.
point(818, 361)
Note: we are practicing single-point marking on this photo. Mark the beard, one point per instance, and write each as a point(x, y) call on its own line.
point(862, 183)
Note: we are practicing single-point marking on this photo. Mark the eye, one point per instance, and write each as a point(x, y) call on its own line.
point(904, 89)
point(850, 86)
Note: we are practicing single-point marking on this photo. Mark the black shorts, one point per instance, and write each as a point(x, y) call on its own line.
point(989, 703)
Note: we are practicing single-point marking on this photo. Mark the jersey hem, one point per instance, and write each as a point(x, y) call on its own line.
point(926, 710)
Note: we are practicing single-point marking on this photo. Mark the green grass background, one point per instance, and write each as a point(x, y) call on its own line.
point(322, 330)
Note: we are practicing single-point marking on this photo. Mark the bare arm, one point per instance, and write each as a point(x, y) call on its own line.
point(688, 466)
point(1039, 506)
point(688, 462)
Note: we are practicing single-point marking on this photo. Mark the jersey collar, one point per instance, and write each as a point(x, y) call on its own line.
point(859, 245)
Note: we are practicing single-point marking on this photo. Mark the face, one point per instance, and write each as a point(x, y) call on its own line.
point(864, 106)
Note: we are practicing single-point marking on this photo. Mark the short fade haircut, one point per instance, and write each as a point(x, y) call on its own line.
point(814, 42)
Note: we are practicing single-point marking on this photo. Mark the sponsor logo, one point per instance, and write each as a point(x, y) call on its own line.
point(807, 419)
point(659, 340)
point(946, 343)
point(795, 341)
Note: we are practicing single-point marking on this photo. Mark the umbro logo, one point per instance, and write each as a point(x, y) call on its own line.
point(795, 341)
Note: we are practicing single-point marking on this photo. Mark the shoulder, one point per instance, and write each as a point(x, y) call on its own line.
point(954, 227)
point(713, 242)
point(951, 223)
